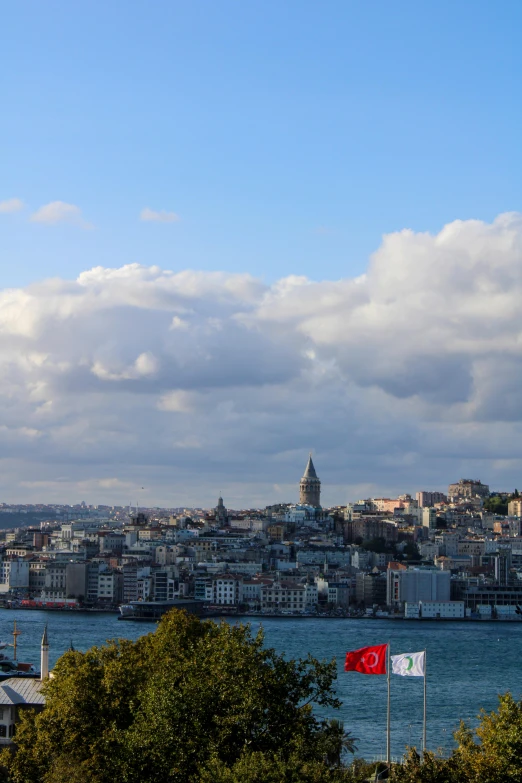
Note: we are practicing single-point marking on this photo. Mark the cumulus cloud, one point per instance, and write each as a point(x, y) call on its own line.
point(404, 378)
point(11, 205)
point(59, 212)
point(159, 216)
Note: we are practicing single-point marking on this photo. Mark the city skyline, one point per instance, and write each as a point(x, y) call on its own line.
point(234, 236)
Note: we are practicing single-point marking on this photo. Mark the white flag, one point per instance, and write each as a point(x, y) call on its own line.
point(409, 664)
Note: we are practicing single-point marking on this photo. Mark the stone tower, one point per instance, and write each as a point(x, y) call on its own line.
point(221, 512)
point(310, 487)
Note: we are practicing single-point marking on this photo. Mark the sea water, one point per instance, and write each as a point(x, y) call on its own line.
point(468, 665)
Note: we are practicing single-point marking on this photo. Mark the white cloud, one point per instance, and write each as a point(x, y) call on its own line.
point(178, 401)
point(146, 364)
point(11, 205)
point(190, 382)
point(59, 212)
point(159, 216)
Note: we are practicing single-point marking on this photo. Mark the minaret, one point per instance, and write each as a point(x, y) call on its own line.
point(310, 487)
point(44, 661)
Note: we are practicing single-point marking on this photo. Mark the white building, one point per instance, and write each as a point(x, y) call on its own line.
point(429, 518)
point(110, 587)
point(283, 597)
point(339, 594)
point(429, 550)
point(415, 584)
point(17, 694)
point(434, 610)
point(227, 590)
point(14, 575)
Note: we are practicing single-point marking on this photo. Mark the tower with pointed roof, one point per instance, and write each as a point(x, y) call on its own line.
point(221, 513)
point(310, 487)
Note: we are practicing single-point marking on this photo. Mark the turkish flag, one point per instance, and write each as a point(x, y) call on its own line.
point(367, 660)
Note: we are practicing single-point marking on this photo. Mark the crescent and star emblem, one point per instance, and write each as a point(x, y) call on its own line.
point(366, 660)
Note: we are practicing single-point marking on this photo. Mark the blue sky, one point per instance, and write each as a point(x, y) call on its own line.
point(287, 136)
point(271, 303)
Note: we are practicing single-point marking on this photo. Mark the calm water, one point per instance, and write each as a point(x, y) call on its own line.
point(468, 665)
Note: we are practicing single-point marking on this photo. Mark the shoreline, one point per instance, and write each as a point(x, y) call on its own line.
point(254, 615)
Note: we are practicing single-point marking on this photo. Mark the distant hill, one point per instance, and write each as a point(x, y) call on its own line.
point(22, 520)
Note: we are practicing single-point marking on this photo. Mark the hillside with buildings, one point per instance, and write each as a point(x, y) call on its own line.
point(433, 556)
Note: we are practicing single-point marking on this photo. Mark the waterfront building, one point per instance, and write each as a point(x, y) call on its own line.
point(20, 693)
point(370, 589)
point(55, 588)
point(227, 590)
point(287, 596)
point(434, 610)
point(339, 594)
point(110, 587)
point(310, 486)
point(14, 575)
point(416, 584)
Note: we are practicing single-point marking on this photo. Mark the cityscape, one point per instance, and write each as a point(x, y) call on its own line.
point(454, 556)
point(260, 392)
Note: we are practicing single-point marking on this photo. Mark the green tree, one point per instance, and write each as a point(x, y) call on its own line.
point(496, 505)
point(337, 742)
point(428, 768)
point(172, 704)
point(378, 545)
point(411, 551)
point(497, 755)
point(492, 753)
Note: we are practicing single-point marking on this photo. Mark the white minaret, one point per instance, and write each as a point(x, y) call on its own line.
point(44, 661)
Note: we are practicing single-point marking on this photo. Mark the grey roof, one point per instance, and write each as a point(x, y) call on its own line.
point(310, 470)
point(21, 690)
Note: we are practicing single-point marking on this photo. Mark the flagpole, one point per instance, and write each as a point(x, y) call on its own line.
point(424, 727)
point(388, 723)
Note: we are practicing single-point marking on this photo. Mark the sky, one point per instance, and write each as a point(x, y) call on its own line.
point(233, 233)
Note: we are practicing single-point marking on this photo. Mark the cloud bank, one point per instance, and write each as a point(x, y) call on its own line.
point(189, 382)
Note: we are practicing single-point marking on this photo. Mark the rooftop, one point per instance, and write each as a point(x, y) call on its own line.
point(18, 690)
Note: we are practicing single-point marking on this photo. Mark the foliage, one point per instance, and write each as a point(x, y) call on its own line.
point(378, 545)
point(272, 768)
point(496, 505)
point(411, 551)
point(427, 769)
point(490, 754)
point(498, 754)
point(192, 699)
point(337, 742)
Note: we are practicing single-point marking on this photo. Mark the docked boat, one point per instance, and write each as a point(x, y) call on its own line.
point(12, 667)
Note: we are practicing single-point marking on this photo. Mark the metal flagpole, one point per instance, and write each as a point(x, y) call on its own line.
point(388, 724)
point(424, 727)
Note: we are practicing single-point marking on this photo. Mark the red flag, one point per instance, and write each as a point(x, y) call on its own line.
point(367, 660)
